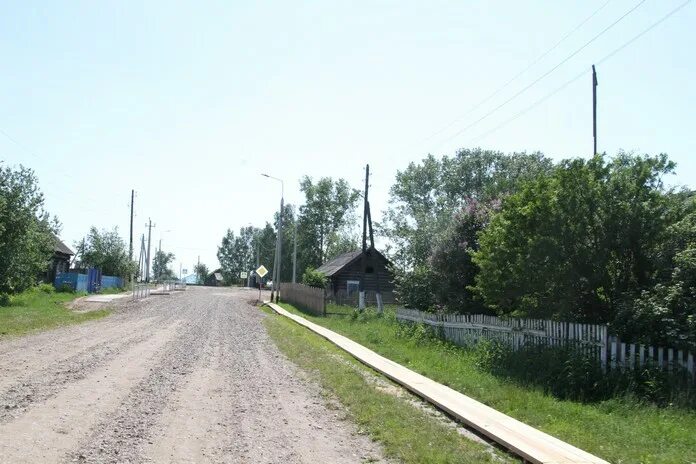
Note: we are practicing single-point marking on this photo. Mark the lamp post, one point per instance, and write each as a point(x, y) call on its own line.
point(279, 242)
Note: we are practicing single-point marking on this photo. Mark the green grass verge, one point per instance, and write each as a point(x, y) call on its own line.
point(618, 430)
point(36, 309)
point(406, 432)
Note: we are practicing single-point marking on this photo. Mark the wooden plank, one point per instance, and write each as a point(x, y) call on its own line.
point(531, 444)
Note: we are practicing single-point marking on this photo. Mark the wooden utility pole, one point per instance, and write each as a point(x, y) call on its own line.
point(594, 108)
point(130, 247)
point(294, 247)
point(149, 226)
point(363, 256)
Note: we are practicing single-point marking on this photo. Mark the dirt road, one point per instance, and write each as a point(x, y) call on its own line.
point(188, 377)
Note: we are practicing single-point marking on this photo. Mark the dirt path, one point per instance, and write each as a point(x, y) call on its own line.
point(189, 377)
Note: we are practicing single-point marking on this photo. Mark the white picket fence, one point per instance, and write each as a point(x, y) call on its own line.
point(592, 339)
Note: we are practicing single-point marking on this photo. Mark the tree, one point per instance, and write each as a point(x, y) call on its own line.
point(576, 243)
point(665, 315)
point(201, 271)
point(27, 237)
point(451, 264)
point(425, 196)
point(236, 253)
point(314, 278)
point(329, 208)
point(160, 266)
point(107, 251)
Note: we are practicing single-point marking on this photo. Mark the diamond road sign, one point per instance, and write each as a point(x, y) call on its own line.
point(261, 271)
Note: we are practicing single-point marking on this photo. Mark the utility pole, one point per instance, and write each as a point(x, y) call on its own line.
point(141, 259)
point(279, 242)
point(294, 248)
point(594, 108)
point(149, 241)
point(280, 249)
point(130, 247)
point(363, 257)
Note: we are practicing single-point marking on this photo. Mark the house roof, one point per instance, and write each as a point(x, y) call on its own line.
point(217, 274)
point(62, 248)
point(333, 266)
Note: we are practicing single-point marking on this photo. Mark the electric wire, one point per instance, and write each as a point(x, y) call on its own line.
point(565, 60)
point(583, 73)
point(516, 76)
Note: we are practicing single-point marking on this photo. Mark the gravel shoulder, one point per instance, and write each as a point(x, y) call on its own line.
point(187, 377)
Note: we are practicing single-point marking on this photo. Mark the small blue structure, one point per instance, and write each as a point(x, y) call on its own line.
point(91, 282)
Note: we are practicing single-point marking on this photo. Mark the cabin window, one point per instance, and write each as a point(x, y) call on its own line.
point(369, 270)
point(352, 286)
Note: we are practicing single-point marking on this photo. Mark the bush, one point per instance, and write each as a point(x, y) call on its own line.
point(5, 299)
point(414, 288)
point(567, 373)
point(46, 288)
point(65, 288)
point(314, 278)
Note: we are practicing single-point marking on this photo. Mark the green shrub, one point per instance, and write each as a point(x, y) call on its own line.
point(5, 299)
point(568, 373)
point(65, 288)
point(314, 278)
point(46, 288)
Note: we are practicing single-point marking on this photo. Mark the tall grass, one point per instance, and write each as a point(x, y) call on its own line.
point(624, 428)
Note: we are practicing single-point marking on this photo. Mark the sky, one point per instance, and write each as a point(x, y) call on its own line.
point(188, 103)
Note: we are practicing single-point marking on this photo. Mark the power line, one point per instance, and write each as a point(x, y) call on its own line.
point(529, 66)
point(583, 73)
point(565, 60)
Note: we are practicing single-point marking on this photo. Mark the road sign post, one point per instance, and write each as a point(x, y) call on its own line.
point(261, 271)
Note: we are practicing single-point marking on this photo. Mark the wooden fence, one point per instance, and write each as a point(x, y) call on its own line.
point(341, 297)
point(307, 298)
point(592, 339)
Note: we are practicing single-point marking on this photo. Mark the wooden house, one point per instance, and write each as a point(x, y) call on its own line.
point(344, 272)
point(215, 279)
point(60, 261)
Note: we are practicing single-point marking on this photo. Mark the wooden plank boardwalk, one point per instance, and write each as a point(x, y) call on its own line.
point(525, 441)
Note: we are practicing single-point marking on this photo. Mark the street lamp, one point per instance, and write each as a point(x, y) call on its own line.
point(279, 242)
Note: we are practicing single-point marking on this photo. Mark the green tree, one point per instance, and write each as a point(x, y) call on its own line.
point(106, 250)
point(426, 195)
point(236, 253)
point(665, 315)
point(451, 264)
point(160, 266)
point(314, 278)
point(201, 271)
point(27, 237)
point(576, 243)
point(328, 210)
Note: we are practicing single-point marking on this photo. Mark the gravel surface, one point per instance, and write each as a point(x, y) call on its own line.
point(186, 377)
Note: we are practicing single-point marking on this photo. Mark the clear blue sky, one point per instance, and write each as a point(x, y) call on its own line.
point(188, 102)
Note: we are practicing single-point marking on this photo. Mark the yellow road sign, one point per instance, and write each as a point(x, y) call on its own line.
point(261, 271)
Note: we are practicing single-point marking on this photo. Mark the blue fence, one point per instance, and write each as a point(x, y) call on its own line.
point(111, 282)
point(90, 283)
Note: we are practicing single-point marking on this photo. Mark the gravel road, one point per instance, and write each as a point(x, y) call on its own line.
point(186, 377)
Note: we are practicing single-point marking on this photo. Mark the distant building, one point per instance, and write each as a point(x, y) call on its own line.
point(60, 261)
point(215, 279)
point(344, 273)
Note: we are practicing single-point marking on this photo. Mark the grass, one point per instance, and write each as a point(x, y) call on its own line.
point(36, 309)
point(618, 430)
point(406, 433)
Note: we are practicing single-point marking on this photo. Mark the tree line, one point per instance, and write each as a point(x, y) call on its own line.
point(324, 227)
point(28, 237)
point(599, 240)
